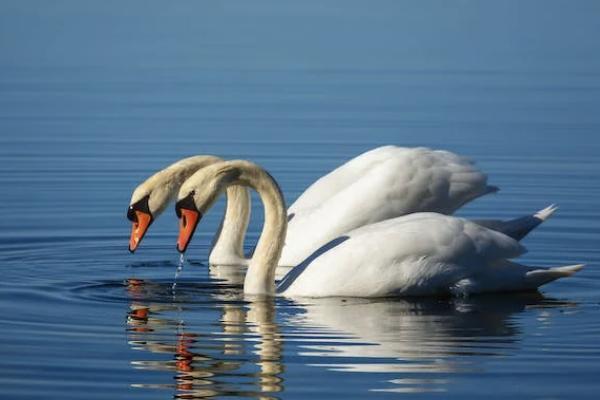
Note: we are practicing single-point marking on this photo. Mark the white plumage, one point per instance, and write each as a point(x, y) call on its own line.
point(419, 254)
point(383, 183)
point(414, 255)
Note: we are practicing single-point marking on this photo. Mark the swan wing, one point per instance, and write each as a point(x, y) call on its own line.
point(343, 176)
point(465, 182)
point(418, 254)
point(413, 180)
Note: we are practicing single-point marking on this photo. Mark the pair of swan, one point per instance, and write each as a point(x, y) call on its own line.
point(419, 254)
point(382, 183)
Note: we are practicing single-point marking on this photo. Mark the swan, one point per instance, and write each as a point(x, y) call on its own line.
point(418, 254)
point(379, 184)
point(420, 180)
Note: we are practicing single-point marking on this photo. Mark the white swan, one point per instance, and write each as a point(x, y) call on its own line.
point(418, 254)
point(382, 183)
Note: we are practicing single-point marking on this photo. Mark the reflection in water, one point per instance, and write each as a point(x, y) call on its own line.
point(242, 358)
point(230, 274)
point(420, 344)
point(415, 339)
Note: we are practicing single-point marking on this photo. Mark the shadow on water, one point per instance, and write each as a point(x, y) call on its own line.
point(214, 342)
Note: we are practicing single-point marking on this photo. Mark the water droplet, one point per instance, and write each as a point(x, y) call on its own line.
point(178, 272)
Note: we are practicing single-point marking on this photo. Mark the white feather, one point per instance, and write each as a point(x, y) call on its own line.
point(418, 254)
point(383, 183)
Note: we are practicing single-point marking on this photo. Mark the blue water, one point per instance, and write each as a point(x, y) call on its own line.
point(94, 97)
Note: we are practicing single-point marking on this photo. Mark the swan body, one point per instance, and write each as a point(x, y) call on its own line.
point(383, 183)
point(418, 254)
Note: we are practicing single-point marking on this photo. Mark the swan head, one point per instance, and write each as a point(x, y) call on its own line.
point(151, 197)
point(196, 197)
point(147, 203)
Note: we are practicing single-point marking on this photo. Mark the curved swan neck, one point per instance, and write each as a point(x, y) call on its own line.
point(181, 170)
point(166, 183)
point(260, 278)
point(228, 243)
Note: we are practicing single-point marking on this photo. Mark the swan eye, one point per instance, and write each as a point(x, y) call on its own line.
point(131, 214)
point(141, 205)
point(187, 203)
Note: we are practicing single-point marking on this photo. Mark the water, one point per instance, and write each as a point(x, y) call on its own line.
point(95, 97)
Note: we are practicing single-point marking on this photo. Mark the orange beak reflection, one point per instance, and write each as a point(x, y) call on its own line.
point(187, 225)
point(138, 229)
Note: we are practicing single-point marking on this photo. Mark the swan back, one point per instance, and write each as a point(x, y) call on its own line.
point(464, 180)
point(381, 184)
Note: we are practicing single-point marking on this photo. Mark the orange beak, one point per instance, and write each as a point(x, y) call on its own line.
point(187, 225)
point(138, 229)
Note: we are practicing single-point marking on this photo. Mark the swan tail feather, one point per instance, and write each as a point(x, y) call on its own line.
point(472, 196)
point(546, 213)
point(508, 276)
point(541, 276)
point(491, 189)
point(520, 227)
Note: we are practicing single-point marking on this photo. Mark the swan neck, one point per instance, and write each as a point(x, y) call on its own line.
point(228, 245)
point(180, 171)
point(260, 278)
point(172, 178)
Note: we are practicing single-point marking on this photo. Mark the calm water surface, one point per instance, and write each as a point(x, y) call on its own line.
point(80, 317)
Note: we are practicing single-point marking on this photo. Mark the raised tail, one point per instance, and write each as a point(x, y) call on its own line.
point(546, 213)
point(509, 276)
point(540, 276)
point(518, 228)
point(491, 189)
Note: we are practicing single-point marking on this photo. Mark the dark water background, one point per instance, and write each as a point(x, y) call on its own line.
point(96, 96)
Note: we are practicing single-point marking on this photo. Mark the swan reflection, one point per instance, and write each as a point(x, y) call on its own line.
point(420, 342)
point(242, 357)
point(214, 342)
